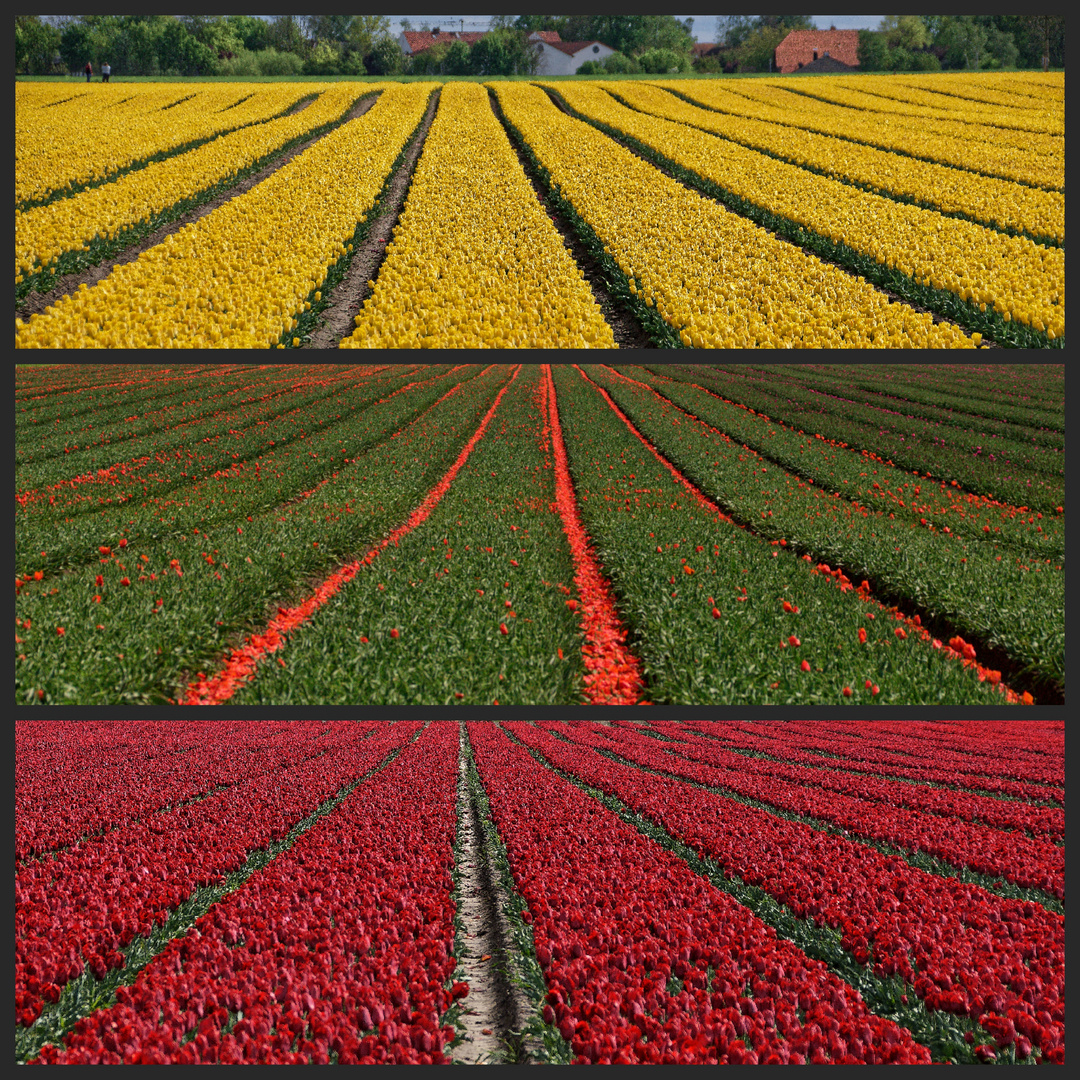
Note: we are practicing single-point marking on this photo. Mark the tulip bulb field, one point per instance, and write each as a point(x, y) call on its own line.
point(676, 892)
point(539, 534)
point(839, 211)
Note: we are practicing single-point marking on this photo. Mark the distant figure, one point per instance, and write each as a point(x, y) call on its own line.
point(105, 71)
point(1046, 63)
point(88, 70)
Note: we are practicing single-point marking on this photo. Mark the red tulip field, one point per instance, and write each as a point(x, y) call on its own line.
point(627, 891)
point(540, 534)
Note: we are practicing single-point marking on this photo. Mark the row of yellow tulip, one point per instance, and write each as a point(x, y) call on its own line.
point(984, 198)
point(241, 275)
point(957, 92)
point(108, 127)
point(881, 95)
point(44, 233)
point(714, 276)
point(1037, 160)
point(475, 262)
point(1018, 278)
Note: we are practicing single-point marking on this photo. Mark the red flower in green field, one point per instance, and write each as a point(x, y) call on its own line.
point(394, 633)
point(847, 691)
point(716, 613)
point(806, 665)
point(123, 543)
point(502, 628)
point(862, 635)
point(363, 641)
point(793, 640)
point(869, 684)
point(787, 606)
point(38, 575)
point(59, 631)
point(899, 631)
point(572, 605)
point(99, 581)
point(125, 581)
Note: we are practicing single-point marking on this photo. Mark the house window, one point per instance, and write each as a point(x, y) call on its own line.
point(815, 54)
point(596, 48)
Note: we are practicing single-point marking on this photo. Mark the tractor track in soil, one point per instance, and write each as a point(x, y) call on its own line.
point(37, 302)
point(338, 320)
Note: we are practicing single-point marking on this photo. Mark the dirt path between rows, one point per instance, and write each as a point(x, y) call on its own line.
point(629, 333)
point(894, 298)
point(494, 1007)
point(36, 302)
point(338, 320)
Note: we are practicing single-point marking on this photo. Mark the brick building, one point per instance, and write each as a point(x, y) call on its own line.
point(802, 47)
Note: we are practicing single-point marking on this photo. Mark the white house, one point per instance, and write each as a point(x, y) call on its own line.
point(565, 57)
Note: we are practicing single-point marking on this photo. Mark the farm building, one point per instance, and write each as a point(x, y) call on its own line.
point(802, 47)
point(416, 41)
point(565, 57)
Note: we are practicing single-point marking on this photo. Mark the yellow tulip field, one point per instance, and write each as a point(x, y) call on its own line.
point(886, 211)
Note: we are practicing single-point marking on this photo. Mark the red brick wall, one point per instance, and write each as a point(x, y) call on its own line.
point(798, 48)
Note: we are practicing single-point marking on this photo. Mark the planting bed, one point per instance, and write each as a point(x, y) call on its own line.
point(292, 891)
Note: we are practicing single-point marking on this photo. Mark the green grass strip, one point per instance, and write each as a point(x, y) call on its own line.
point(547, 1044)
point(892, 998)
point(940, 301)
point(86, 994)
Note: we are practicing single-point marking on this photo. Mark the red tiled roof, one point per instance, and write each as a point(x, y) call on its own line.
point(799, 47)
point(550, 36)
point(703, 48)
point(572, 47)
point(419, 41)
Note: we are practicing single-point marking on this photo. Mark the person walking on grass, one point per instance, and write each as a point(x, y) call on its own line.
point(105, 71)
point(88, 71)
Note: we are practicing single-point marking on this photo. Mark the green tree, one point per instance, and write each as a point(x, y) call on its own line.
point(36, 45)
point(618, 64)
point(287, 36)
point(364, 30)
point(327, 27)
point(758, 50)
point(253, 32)
point(179, 53)
point(963, 40)
point(75, 46)
point(873, 52)
point(663, 61)
point(324, 59)
point(733, 30)
point(1001, 48)
point(786, 23)
point(904, 31)
point(504, 51)
point(385, 57)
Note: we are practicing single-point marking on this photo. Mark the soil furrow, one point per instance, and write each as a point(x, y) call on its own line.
point(348, 297)
point(495, 1009)
point(37, 302)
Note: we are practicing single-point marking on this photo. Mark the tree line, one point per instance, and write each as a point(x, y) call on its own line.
point(904, 42)
point(243, 45)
